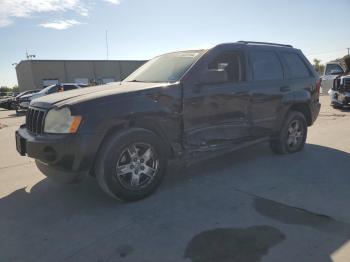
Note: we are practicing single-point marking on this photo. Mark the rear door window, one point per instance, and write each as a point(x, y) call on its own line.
point(266, 65)
point(296, 66)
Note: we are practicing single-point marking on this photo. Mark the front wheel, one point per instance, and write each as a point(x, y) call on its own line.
point(292, 136)
point(131, 165)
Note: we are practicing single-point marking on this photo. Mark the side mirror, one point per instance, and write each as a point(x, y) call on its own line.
point(336, 72)
point(213, 76)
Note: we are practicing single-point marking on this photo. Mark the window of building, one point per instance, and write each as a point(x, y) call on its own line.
point(84, 81)
point(296, 66)
point(266, 65)
point(49, 82)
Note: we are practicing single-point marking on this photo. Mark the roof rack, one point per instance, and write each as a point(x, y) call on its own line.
point(263, 43)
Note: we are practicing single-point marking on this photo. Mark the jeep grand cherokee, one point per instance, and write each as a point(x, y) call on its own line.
point(177, 105)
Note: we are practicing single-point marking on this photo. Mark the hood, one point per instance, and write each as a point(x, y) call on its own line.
point(90, 93)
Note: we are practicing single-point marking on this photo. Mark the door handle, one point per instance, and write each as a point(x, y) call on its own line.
point(284, 88)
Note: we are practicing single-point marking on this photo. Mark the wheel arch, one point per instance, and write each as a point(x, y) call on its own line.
point(145, 123)
point(304, 109)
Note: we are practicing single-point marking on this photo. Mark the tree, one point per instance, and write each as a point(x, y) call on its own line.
point(5, 89)
point(15, 88)
point(318, 66)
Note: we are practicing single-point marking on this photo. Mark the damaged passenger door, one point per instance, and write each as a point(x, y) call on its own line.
point(216, 105)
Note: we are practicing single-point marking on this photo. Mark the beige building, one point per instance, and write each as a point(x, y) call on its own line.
point(36, 74)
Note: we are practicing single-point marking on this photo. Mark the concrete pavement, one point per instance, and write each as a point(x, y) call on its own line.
point(249, 205)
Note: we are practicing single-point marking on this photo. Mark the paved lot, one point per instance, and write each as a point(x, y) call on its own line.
point(250, 206)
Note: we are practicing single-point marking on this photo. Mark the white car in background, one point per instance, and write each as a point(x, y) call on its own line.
point(331, 71)
point(24, 101)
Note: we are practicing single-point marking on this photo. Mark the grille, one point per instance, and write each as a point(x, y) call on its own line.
point(347, 84)
point(35, 120)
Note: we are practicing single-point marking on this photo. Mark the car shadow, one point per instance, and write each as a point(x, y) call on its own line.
point(46, 214)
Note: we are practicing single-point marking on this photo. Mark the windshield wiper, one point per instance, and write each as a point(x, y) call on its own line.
point(136, 81)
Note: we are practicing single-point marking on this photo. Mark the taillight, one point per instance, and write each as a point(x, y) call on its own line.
point(318, 85)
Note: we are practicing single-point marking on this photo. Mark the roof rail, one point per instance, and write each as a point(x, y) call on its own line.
point(263, 43)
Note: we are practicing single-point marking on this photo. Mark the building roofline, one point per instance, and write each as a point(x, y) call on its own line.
point(78, 60)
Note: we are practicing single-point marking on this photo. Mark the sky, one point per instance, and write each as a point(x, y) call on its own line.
point(142, 29)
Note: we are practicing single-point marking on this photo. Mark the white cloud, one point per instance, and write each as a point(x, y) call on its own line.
point(11, 9)
point(60, 24)
point(115, 2)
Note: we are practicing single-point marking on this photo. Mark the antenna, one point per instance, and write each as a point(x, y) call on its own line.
point(107, 43)
point(28, 56)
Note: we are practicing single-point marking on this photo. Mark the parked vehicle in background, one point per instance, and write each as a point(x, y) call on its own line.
point(331, 71)
point(177, 105)
point(19, 98)
point(340, 92)
point(25, 100)
point(7, 102)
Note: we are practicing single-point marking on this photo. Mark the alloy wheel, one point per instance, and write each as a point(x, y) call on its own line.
point(137, 166)
point(295, 134)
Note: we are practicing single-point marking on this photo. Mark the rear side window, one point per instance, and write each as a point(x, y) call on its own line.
point(266, 65)
point(296, 66)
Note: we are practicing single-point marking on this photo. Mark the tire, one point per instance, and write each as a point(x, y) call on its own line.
point(124, 160)
point(290, 139)
point(337, 106)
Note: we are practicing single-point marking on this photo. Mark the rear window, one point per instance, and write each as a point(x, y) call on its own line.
point(333, 67)
point(266, 65)
point(296, 66)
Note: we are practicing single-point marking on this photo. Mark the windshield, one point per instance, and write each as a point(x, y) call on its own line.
point(21, 94)
point(46, 89)
point(165, 68)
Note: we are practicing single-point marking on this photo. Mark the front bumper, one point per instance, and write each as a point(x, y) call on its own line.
point(344, 97)
point(23, 104)
point(64, 157)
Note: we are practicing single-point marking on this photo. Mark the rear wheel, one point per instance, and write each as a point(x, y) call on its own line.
point(131, 165)
point(292, 135)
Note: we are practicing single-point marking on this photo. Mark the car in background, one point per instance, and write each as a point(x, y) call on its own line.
point(331, 71)
point(340, 92)
point(15, 102)
point(24, 101)
point(6, 102)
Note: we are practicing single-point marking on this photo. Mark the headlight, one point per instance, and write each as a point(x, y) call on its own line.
point(61, 121)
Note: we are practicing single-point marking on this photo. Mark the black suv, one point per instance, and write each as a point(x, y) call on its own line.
point(177, 105)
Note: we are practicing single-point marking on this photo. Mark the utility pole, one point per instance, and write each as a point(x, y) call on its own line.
point(107, 43)
point(348, 50)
